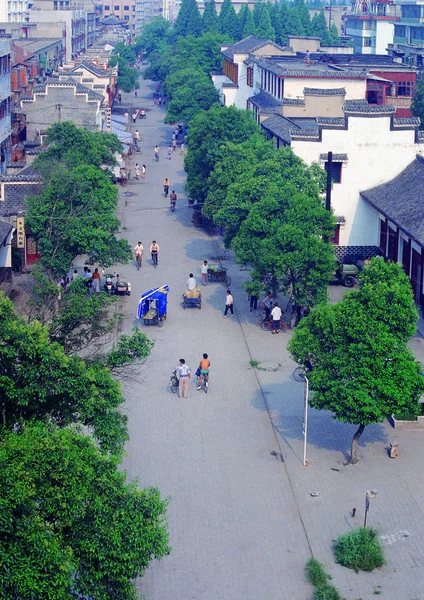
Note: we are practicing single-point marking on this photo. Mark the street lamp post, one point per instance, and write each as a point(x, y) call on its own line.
point(370, 495)
point(305, 419)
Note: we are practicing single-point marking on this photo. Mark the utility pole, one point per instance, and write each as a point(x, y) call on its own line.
point(59, 109)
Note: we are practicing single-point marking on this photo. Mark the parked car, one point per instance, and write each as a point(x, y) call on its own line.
point(345, 275)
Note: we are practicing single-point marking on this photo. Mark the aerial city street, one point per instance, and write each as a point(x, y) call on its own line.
point(211, 288)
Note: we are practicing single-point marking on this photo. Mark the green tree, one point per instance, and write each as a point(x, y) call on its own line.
point(39, 382)
point(126, 52)
point(187, 101)
point(362, 370)
point(208, 132)
point(70, 523)
point(284, 13)
point(127, 76)
point(72, 146)
point(160, 63)
point(418, 102)
point(257, 11)
point(203, 53)
point(152, 36)
point(210, 18)
point(261, 207)
point(228, 20)
point(249, 24)
point(304, 15)
point(276, 22)
point(264, 28)
point(293, 23)
point(75, 214)
point(195, 25)
point(319, 28)
point(334, 39)
point(181, 23)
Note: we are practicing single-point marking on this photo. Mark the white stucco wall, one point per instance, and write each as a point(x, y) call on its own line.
point(6, 251)
point(385, 31)
point(375, 155)
point(355, 88)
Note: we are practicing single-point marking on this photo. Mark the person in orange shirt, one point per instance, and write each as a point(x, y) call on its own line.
point(204, 365)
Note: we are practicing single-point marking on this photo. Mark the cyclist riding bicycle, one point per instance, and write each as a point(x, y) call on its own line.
point(173, 199)
point(154, 252)
point(204, 365)
point(138, 253)
point(166, 187)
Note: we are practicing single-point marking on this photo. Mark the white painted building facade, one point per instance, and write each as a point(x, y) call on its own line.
point(13, 11)
point(370, 148)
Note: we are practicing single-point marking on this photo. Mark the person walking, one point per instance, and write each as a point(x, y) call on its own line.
point(143, 171)
point(166, 187)
point(96, 281)
point(134, 117)
point(267, 302)
point(184, 374)
point(204, 365)
point(253, 302)
point(173, 199)
point(182, 148)
point(136, 136)
point(229, 301)
point(156, 152)
point(142, 114)
point(174, 144)
point(119, 98)
point(205, 272)
point(169, 152)
point(276, 318)
point(135, 93)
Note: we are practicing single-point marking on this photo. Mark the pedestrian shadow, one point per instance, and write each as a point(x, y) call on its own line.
point(285, 403)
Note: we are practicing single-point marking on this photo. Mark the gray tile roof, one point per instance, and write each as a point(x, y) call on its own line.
point(324, 92)
point(249, 44)
point(80, 89)
point(361, 107)
point(293, 101)
point(5, 229)
point(406, 121)
point(229, 84)
point(286, 67)
point(282, 127)
point(401, 199)
point(265, 102)
point(331, 121)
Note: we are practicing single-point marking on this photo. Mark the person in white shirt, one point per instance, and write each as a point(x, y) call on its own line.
point(276, 318)
point(184, 373)
point(229, 301)
point(138, 252)
point(191, 282)
point(205, 272)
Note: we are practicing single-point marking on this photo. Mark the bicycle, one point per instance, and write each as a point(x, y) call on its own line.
point(155, 259)
point(267, 324)
point(205, 383)
point(138, 261)
point(174, 382)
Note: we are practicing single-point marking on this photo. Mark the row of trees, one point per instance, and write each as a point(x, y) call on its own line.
point(125, 57)
point(70, 524)
point(272, 21)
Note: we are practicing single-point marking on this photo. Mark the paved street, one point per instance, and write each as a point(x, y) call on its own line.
point(242, 521)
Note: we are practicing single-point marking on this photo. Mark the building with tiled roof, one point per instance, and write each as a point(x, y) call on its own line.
point(396, 211)
point(102, 81)
point(56, 100)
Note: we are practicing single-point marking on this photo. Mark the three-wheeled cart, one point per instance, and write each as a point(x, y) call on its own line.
point(219, 273)
point(152, 306)
point(192, 301)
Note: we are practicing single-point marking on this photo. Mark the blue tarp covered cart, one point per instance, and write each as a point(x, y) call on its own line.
point(152, 306)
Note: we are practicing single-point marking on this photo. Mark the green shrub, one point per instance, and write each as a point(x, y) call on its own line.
point(326, 592)
point(316, 573)
point(359, 550)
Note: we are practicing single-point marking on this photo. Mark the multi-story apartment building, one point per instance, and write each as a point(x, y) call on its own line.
point(371, 25)
point(122, 9)
point(5, 102)
point(75, 23)
point(15, 11)
point(146, 10)
point(408, 42)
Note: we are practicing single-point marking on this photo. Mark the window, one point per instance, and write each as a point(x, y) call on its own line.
point(250, 76)
point(366, 42)
point(106, 7)
point(126, 18)
point(126, 8)
point(335, 238)
point(336, 171)
point(405, 88)
point(116, 7)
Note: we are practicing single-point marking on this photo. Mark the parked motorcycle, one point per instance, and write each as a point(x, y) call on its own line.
point(122, 288)
point(108, 285)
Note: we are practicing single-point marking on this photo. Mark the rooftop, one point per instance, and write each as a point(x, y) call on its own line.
point(400, 200)
point(248, 45)
point(282, 127)
point(54, 82)
point(265, 102)
point(287, 66)
point(324, 92)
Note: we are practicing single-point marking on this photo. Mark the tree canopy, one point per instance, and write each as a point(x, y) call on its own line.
point(418, 102)
point(360, 367)
point(70, 523)
point(207, 134)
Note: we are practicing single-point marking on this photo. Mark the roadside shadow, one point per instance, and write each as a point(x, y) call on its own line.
point(285, 403)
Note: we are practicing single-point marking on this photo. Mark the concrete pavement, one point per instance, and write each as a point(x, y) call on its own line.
point(242, 522)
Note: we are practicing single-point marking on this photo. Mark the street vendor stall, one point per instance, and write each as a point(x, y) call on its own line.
point(152, 306)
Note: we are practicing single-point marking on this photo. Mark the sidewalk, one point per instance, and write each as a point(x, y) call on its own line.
point(242, 522)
